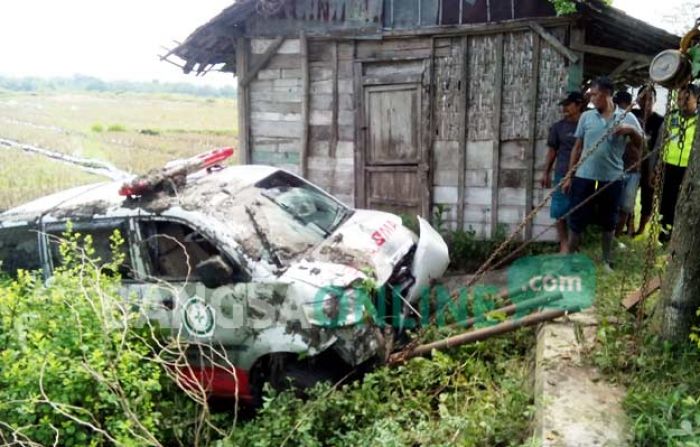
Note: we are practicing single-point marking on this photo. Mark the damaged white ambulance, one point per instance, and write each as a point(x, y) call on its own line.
point(253, 260)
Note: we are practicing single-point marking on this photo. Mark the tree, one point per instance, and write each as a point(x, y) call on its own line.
point(680, 293)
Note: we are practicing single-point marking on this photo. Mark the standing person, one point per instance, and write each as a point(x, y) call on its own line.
point(560, 142)
point(601, 167)
point(652, 124)
point(630, 181)
point(676, 156)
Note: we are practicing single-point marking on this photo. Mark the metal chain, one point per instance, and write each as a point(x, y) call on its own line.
point(658, 184)
point(487, 265)
point(569, 213)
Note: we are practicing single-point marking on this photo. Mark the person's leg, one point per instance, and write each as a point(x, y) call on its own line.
point(630, 224)
point(563, 235)
point(606, 245)
point(622, 221)
point(677, 174)
point(669, 197)
point(581, 189)
point(558, 209)
point(647, 191)
point(609, 204)
point(628, 200)
point(575, 241)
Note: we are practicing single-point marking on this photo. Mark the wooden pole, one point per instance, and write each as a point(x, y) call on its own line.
point(305, 105)
point(333, 147)
point(498, 104)
point(425, 166)
point(532, 138)
point(243, 102)
point(463, 134)
point(477, 335)
point(554, 42)
point(263, 61)
point(510, 309)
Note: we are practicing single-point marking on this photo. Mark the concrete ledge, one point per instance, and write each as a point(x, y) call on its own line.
point(574, 407)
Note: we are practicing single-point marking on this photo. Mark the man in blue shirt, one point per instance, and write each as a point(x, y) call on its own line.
point(602, 167)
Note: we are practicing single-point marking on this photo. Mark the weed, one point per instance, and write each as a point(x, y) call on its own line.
point(67, 124)
point(475, 395)
point(116, 128)
point(663, 387)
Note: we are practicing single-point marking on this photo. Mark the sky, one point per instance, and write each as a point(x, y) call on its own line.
point(109, 39)
point(121, 39)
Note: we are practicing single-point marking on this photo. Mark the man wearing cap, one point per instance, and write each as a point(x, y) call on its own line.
point(560, 142)
point(602, 168)
point(676, 156)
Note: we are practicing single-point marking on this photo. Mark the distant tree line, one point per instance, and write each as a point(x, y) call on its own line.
point(81, 83)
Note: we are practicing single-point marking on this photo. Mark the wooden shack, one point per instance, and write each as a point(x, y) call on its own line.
point(407, 105)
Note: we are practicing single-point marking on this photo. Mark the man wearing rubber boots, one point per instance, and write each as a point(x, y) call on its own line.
point(601, 146)
point(676, 155)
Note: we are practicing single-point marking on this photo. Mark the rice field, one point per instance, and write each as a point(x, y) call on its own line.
point(135, 132)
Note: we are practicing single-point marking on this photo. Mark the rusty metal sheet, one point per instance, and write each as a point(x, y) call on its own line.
point(369, 11)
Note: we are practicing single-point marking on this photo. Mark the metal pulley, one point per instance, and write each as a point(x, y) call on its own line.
point(670, 68)
point(675, 68)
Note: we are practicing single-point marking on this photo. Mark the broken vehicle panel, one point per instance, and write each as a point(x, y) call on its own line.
point(251, 259)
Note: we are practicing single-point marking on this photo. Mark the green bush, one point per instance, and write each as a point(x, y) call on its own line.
point(475, 395)
point(467, 252)
point(75, 368)
point(662, 380)
point(116, 128)
point(78, 369)
point(97, 127)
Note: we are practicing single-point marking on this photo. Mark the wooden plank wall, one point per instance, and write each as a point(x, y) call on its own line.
point(332, 147)
point(484, 150)
point(275, 106)
point(276, 120)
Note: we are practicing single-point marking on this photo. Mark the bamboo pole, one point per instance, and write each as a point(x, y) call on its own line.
point(477, 335)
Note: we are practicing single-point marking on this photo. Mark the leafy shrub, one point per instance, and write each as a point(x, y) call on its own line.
point(473, 396)
point(116, 128)
point(467, 252)
point(76, 369)
point(663, 386)
point(97, 128)
point(563, 7)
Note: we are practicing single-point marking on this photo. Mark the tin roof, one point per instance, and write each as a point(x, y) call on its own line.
point(214, 43)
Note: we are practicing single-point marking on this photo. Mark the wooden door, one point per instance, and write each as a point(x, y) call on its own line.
point(392, 138)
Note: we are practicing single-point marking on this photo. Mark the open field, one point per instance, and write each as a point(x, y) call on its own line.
point(135, 132)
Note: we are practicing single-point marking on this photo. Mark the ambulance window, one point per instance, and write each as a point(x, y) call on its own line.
point(174, 250)
point(101, 236)
point(19, 250)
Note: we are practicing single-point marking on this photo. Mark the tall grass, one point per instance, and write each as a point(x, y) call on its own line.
point(73, 123)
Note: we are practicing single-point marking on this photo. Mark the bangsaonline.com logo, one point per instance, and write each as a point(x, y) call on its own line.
point(564, 282)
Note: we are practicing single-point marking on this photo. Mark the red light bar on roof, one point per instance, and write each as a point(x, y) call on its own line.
point(175, 169)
